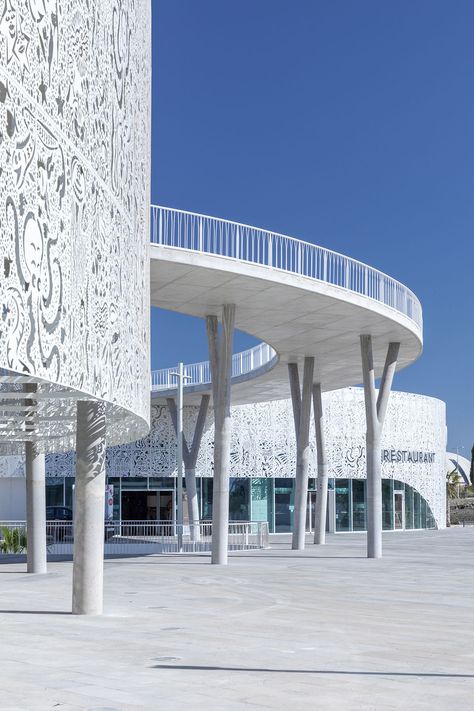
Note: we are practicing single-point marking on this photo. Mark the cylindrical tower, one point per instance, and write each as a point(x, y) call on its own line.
point(74, 217)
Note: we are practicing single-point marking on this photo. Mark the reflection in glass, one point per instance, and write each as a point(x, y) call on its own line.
point(408, 506)
point(239, 499)
point(387, 504)
point(262, 501)
point(284, 505)
point(417, 509)
point(359, 508)
point(423, 513)
point(398, 509)
point(206, 489)
point(55, 491)
point(343, 507)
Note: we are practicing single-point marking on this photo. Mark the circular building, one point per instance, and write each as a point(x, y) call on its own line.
point(74, 217)
point(142, 475)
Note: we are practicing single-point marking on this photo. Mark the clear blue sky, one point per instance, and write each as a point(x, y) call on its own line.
point(348, 124)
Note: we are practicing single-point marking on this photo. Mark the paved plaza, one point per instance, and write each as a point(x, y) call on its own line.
point(321, 629)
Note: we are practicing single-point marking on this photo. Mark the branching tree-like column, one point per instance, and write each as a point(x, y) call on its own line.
point(36, 553)
point(322, 492)
point(375, 410)
point(220, 356)
point(190, 456)
point(89, 505)
point(301, 414)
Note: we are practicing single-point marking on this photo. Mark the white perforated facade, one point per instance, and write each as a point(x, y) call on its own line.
point(263, 444)
point(74, 207)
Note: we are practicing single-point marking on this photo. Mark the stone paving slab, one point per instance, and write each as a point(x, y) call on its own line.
point(320, 629)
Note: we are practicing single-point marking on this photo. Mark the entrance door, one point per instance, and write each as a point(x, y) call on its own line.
point(165, 505)
point(283, 512)
point(399, 509)
point(134, 505)
point(147, 505)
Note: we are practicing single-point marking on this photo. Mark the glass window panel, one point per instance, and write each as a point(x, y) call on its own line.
point(206, 486)
point(343, 510)
point(423, 513)
point(239, 499)
point(54, 491)
point(284, 505)
point(162, 482)
point(430, 522)
point(417, 509)
point(408, 506)
point(134, 482)
point(68, 491)
point(387, 504)
point(262, 500)
point(359, 509)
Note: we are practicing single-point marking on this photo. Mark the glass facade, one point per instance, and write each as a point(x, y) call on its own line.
point(387, 504)
point(359, 512)
point(239, 499)
point(55, 491)
point(261, 499)
point(343, 505)
point(284, 505)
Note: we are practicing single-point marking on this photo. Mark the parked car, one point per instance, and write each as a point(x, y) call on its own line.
point(58, 513)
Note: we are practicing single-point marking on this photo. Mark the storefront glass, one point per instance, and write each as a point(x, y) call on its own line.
point(408, 506)
point(55, 491)
point(284, 505)
point(359, 510)
point(417, 509)
point(262, 501)
point(343, 505)
point(387, 504)
point(423, 513)
point(206, 498)
point(239, 499)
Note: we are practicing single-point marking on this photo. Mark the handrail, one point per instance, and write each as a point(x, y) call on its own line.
point(212, 235)
point(243, 363)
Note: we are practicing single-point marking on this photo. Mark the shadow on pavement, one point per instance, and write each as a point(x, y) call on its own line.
point(192, 667)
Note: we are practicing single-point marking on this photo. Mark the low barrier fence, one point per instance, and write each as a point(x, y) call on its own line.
point(140, 537)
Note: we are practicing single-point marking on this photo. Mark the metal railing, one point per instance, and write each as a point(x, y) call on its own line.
point(212, 235)
point(200, 373)
point(149, 537)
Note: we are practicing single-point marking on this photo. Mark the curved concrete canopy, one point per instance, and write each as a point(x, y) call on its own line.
point(297, 315)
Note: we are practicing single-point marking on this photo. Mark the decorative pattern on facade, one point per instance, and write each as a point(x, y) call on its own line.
point(74, 199)
point(263, 443)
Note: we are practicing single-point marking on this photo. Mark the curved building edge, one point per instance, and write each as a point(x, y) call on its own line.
point(263, 464)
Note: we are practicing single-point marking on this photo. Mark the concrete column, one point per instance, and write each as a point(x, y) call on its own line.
point(190, 455)
point(302, 415)
point(220, 353)
point(322, 491)
point(89, 503)
point(375, 410)
point(193, 504)
point(35, 509)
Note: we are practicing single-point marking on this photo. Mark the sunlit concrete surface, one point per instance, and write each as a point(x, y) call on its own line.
point(325, 628)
